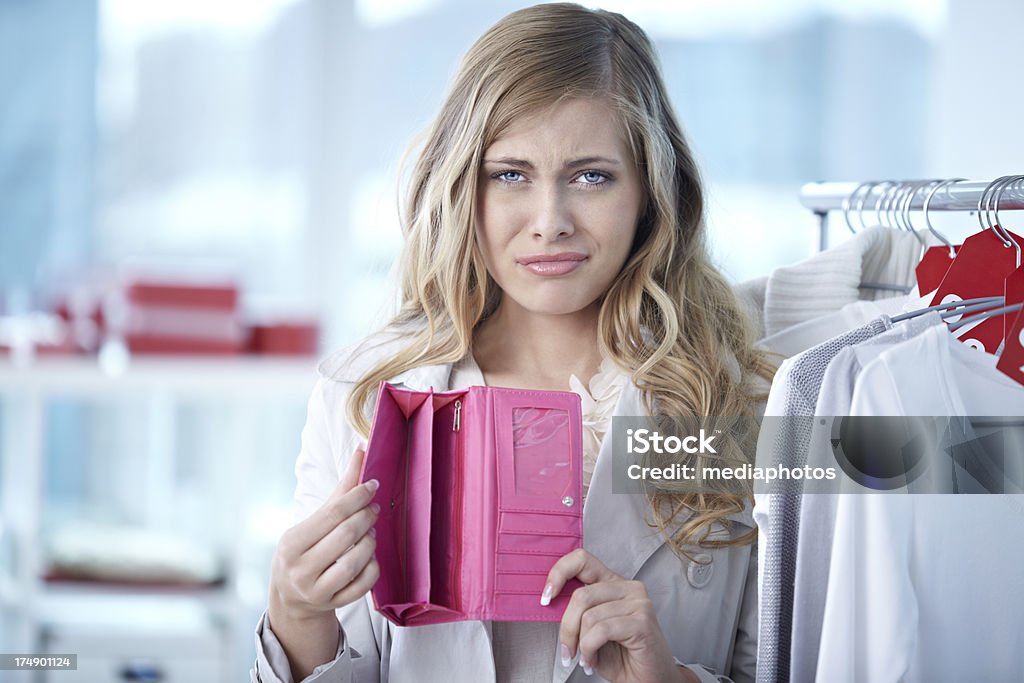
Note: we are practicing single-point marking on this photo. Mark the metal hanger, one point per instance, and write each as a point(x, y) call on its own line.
point(884, 214)
point(984, 302)
point(986, 315)
point(928, 220)
point(848, 199)
point(884, 204)
point(886, 186)
point(985, 221)
point(863, 200)
point(905, 199)
point(900, 196)
point(908, 201)
point(980, 304)
point(997, 224)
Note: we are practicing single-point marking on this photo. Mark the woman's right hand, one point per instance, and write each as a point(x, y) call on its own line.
point(322, 563)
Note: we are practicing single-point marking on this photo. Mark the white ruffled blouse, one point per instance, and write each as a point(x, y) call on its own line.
point(598, 404)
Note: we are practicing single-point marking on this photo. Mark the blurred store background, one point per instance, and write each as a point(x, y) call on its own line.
point(198, 199)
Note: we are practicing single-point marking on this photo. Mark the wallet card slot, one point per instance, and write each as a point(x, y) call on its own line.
point(520, 583)
point(545, 524)
point(511, 563)
point(536, 544)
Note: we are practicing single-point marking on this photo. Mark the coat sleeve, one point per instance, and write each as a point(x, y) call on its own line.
point(327, 445)
point(744, 651)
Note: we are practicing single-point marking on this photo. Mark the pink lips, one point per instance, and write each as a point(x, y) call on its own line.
point(552, 264)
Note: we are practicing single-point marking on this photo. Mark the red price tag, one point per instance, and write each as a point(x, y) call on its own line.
point(932, 269)
point(1014, 295)
point(980, 269)
point(1011, 361)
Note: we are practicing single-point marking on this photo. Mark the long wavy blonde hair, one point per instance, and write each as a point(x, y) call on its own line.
point(669, 317)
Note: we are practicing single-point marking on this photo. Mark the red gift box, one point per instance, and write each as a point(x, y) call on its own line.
point(177, 316)
point(292, 338)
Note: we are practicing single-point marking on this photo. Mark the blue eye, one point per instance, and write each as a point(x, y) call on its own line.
point(509, 176)
point(592, 178)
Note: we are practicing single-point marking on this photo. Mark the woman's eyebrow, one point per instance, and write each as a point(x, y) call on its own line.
point(575, 163)
point(510, 161)
point(587, 161)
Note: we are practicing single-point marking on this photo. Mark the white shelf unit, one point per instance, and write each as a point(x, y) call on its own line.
point(27, 602)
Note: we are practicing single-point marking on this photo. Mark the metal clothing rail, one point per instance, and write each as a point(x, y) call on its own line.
point(821, 198)
point(961, 196)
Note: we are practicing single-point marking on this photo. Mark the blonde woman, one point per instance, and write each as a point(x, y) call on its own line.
point(554, 240)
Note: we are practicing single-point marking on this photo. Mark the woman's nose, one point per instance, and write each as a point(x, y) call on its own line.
point(552, 215)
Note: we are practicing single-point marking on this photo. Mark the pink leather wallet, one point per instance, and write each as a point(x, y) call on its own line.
point(480, 493)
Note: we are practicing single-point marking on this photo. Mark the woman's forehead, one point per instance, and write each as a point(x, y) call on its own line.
point(576, 127)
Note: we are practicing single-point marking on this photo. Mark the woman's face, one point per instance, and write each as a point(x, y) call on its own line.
point(559, 200)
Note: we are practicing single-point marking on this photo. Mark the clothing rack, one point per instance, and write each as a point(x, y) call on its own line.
point(821, 198)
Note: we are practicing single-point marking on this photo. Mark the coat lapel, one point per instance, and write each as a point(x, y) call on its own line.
point(615, 528)
point(429, 377)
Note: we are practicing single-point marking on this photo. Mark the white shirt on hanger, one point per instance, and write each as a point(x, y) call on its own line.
point(926, 587)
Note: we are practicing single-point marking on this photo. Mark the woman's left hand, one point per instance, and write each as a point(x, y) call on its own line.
point(612, 622)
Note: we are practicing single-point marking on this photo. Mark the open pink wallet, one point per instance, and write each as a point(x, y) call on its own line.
point(480, 493)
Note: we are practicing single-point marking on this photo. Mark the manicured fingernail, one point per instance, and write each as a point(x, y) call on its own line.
point(586, 667)
point(375, 508)
point(566, 657)
point(372, 485)
point(373, 532)
point(545, 597)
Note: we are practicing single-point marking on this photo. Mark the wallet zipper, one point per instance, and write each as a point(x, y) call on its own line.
point(455, 583)
point(404, 558)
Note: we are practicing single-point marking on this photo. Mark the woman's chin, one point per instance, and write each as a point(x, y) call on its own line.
point(552, 306)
